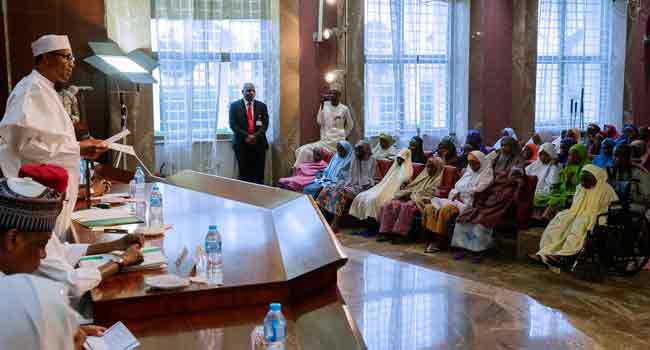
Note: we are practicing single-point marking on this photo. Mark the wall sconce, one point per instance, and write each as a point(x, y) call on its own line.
point(334, 75)
point(331, 2)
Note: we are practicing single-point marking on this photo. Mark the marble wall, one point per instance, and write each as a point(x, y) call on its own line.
point(524, 65)
point(636, 97)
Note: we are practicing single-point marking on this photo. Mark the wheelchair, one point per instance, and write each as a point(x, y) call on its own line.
point(619, 245)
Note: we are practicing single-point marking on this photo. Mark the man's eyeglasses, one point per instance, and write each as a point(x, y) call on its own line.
point(68, 56)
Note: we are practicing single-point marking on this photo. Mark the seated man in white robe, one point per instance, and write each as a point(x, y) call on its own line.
point(336, 123)
point(36, 127)
point(59, 265)
point(37, 315)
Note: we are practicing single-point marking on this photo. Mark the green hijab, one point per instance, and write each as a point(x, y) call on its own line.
point(572, 171)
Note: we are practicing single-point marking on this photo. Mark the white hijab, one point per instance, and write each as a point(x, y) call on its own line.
point(473, 181)
point(369, 203)
point(510, 132)
point(36, 314)
point(547, 174)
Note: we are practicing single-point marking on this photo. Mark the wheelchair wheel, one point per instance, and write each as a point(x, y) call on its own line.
point(628, 266)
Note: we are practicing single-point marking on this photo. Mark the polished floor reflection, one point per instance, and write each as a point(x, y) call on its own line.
point(403, 306)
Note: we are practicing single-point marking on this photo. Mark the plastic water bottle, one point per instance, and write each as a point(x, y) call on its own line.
point(275, 327)
point(156, 208)
point(139, 183)
point(213, 247)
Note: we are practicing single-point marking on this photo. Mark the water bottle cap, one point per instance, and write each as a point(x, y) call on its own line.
point(138, 168)
point(155, 187)
point(212, 227)
point(275, 306)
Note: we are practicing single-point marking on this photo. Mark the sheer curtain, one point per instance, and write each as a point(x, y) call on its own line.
point(580, 57)
point(411, 77)
point(207, 50)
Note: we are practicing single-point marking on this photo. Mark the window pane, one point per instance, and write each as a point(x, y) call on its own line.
point(407, 67)
point(572, 62)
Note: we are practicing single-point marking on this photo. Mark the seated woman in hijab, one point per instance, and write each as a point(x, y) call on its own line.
point(630, 133)
point(416, 145)
point(639, 152)
point(507, 156)
point(462, 162)
point(305, 173)
point(475, 139)
point(335, 171)
point(606, 156)
point(546, 170)
point(594, 139)
point(563, 190)
point(368, 203)
point(529, 153)
point(329, 142)
point(477, 177)
point(630, 181)
point(336, 200)
point(565, 146)
point(385, 148)
point(492, 208)
point(507, 132)
point(565, 234)
point(447, 151)
point(397, 215)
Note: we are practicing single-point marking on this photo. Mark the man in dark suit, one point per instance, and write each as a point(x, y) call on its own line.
point(249, 120)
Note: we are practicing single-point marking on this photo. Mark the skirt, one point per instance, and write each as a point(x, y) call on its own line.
point(435, 220)
point(335, 200)
point(397, 217)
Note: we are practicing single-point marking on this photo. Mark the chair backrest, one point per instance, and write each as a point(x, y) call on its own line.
point(450, 176)
point(384, 165)
point(327, 156)
point(417, 169)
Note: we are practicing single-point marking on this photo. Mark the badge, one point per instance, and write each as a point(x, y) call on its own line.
point(258, 123)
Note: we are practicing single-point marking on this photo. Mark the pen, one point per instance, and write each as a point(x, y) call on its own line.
point(86, 258)
point(150, 249)
point(115, 230)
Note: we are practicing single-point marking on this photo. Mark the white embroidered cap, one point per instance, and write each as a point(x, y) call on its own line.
point(50, 42)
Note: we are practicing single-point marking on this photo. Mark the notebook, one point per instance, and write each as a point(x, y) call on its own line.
point(153, 259)
point(118, 337)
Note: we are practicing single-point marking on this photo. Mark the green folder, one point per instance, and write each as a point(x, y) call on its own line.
point(112, 222)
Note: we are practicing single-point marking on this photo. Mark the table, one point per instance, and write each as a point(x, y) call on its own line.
point(277, 247)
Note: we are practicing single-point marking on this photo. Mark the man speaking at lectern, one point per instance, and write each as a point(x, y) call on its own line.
point(249, 120)
point(37, 129)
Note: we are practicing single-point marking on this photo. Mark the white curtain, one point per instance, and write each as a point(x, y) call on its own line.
point(412, 81)
point(207, 50)
point(580, 59)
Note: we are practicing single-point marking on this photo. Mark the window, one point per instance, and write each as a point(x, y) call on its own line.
point(573, 63)
point(204, 61)
point(407, 67)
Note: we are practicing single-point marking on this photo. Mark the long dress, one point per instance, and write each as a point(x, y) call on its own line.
point(337, 199)
point(566, 233)
point(335, 172)
point(438, 213)
point(368, 203)
point(335, 122)
point(569, 178)
point(397, 216)
point(305, 174)
point(547, 174)
point(494, 207)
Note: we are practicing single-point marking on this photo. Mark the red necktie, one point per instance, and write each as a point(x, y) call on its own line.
point(251, 125)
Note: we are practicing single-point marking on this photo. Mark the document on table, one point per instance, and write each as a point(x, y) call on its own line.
point(120, 135)
point(105, 217)
point(153, 259)
point(118, 337)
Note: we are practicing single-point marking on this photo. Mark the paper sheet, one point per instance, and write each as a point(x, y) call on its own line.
point(120, 135)
point(101, 214)
point(122, 148)
point(118, 337)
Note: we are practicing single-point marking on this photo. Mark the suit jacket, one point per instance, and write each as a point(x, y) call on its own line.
point(239, 123)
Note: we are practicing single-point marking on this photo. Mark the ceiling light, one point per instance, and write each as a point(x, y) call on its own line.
point(330, 77)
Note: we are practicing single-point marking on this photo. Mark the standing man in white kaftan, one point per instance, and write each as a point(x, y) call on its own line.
point(336, 124)
point(37, 129)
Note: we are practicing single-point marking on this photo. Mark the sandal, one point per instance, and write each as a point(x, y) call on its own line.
point(431, 248)
point(476, 258)
point(459, 256)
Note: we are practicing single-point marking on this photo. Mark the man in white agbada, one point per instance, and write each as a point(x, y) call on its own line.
point(368, 203)
point(61, 259)
point(565, 234)
point(336, 123)
point(36, 312)
point(37, 129)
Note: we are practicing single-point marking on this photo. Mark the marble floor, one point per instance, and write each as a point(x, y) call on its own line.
point(402, 298)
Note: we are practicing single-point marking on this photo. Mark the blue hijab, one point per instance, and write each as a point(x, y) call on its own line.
point(623, 139)
point(602, 160)
point(564, 157)
point(337, 165)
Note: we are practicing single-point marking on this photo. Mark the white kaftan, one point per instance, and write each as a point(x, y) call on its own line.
point(37, 129)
